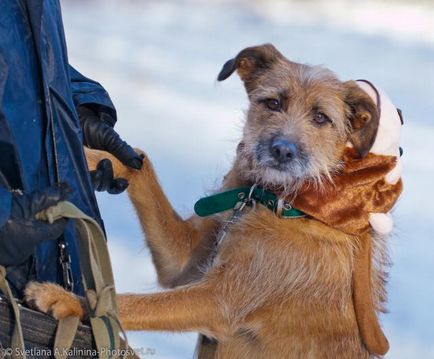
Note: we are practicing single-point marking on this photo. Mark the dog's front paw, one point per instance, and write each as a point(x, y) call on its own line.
point(52, 299)
point(93, 157)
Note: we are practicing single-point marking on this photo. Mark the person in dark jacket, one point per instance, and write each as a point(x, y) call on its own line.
point(48, 111)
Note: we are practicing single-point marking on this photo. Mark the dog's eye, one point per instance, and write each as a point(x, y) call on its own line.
point(320, 118)
point(272, 104)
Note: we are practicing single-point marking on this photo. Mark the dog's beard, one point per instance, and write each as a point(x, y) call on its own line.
point(287, 179)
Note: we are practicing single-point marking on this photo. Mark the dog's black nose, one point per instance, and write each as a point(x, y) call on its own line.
point(283, 150)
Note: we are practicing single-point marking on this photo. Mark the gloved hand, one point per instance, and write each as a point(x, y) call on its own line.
point(102, 179)
point(23, 232)
point(100, 135)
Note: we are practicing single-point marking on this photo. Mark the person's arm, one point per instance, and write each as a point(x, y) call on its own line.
point(91, 95)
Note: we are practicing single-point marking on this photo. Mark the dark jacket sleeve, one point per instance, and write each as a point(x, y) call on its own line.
point(91, 94)
point(5, 206)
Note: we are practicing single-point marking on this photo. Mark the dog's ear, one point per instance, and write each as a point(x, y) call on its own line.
point(364, 118)
point(250, 63)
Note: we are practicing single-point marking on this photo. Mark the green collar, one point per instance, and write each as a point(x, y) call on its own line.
point(249, 195)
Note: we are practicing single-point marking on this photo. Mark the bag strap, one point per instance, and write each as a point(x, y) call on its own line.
point(17, 340)
point(206, 348)
point(98, 281)
point(65, 334)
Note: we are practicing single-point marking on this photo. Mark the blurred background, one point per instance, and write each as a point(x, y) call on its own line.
point(159, 61)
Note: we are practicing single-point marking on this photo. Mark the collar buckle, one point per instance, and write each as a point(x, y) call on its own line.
point(285, 210)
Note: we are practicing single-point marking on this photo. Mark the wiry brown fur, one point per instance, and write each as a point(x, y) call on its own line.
point(276, 288)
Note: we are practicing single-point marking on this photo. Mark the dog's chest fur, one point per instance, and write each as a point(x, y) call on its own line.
point(289, 278)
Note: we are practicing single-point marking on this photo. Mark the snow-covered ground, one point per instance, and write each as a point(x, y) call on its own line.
point(159, 61)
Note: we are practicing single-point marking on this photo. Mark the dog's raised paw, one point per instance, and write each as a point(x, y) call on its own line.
point(52, 299)
point(120, 170)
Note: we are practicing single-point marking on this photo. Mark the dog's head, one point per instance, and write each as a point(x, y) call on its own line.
point(299, 119)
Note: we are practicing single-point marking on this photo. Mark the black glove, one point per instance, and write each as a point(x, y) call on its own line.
point(102, 179)
point(100, 135)
point(23, 232)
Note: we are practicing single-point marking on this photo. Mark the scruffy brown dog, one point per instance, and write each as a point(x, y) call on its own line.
point(274, 288)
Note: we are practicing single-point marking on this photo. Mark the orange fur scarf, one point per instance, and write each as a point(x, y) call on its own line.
point(358, 190)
